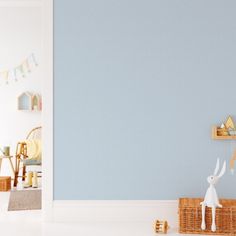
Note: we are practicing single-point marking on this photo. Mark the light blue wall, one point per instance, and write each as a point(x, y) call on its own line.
point(138, 85)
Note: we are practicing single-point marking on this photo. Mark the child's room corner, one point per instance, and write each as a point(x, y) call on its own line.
point(21, 74)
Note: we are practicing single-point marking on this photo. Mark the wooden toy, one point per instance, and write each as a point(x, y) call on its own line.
point(222, 131)
point(211, 199)
point(161, 226)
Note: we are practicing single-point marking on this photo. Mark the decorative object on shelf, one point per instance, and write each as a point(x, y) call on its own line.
point(225, 131)
point(222, 131)
point(19, 71)
point(230, 123)
point(190, 217)
point(29, 102)
point(232, 132)
point(211, 199)
point(161, 226)
point(5, 183)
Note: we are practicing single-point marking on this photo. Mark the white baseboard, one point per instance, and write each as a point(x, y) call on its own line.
point(116, 210)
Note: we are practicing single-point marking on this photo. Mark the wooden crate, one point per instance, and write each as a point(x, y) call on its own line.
point(5, 183)
point(190, 217)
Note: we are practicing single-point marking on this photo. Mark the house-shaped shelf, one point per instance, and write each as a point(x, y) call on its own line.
point(36, 102)
point(29, 102)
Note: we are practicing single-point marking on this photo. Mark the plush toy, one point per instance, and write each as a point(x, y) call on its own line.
point(211, 198)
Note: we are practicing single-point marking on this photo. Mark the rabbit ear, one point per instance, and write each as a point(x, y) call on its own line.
point(222, 170)
point(217, 166)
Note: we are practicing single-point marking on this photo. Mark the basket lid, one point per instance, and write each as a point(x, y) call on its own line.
point(195, 202)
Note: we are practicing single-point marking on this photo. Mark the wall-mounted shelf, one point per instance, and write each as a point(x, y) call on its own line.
point(227, 131)
point(29, 102)
point(221, 137)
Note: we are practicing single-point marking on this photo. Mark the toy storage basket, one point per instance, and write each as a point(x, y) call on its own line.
point(190, 217)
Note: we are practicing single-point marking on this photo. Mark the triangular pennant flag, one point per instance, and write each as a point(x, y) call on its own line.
point(4, 75)
point(15, 74)
point(34, 60)
point(26, 65)
point(11, 75)
point(1, 78)
point(21, 69)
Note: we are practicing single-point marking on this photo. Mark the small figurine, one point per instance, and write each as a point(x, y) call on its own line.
point(211, 198)
point(232, 132)
point(222, 126)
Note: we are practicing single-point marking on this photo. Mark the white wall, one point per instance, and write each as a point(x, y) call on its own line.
point(20, 36)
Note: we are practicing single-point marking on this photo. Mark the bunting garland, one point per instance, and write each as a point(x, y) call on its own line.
point(20, 71)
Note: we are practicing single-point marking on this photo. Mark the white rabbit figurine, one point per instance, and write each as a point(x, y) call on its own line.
point(211, 198)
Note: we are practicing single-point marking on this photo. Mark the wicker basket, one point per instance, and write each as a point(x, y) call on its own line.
point(190, 217)
point(5, 183)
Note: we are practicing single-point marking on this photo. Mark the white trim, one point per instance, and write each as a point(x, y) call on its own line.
point(47, 111)
point(137, 210)
point(20, 3)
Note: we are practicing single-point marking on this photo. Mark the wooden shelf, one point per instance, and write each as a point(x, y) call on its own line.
point(218, 137)
point(29, 102)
